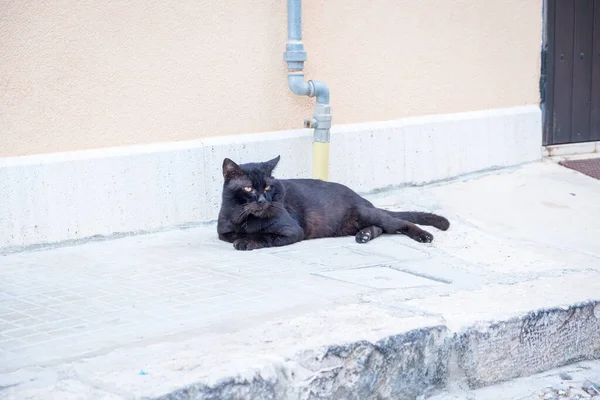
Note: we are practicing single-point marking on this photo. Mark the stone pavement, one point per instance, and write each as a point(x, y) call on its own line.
point(180, 314)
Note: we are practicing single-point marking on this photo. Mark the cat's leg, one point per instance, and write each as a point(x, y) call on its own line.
point(374, 216)
point(229, 236)
point(284, 236)
point(368, 233)
point(242, 241)
point(249, 241)
point(260, 240)
point(421, 218)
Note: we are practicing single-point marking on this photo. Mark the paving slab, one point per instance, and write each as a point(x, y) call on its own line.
point(181, 315)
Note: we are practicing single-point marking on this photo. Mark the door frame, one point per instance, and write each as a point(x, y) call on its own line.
point(547, 73)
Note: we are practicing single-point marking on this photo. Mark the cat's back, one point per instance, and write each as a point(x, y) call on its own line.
point(314, 184)
point(317, 191)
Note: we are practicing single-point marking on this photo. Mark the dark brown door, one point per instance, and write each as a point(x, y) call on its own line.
point(570, 83)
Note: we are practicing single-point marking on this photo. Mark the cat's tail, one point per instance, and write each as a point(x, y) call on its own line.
point(421, 218)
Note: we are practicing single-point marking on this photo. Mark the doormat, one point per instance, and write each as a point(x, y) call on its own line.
point(590, 167)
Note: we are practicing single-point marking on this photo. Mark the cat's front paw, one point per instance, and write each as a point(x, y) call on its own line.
point(245, 244)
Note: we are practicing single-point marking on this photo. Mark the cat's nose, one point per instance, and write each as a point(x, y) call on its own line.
point(262, 199)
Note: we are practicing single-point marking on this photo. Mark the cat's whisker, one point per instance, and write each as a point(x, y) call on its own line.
point(241, 214)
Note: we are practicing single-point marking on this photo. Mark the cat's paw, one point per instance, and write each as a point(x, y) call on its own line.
point(441, 223)
point(245, 244)
point(363, 237)
point(423, 237)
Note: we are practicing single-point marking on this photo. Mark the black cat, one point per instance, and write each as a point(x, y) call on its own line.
point(258, 210)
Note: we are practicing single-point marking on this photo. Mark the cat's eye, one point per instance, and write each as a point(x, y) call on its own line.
point(267, 188)
point(248, 188)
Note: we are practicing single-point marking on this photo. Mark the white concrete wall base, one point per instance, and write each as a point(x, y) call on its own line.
point(59, 197)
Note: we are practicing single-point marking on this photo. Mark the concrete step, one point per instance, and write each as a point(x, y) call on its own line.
point(360, 351)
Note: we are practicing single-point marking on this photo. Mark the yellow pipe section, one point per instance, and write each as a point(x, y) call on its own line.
point(321, 160)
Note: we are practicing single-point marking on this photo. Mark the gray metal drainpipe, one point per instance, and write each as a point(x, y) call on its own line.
point(295, 56)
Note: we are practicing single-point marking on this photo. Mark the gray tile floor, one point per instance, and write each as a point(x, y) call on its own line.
point(61, 303)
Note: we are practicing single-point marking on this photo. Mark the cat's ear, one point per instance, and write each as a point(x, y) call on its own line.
point(270, 165)
point(231, 170)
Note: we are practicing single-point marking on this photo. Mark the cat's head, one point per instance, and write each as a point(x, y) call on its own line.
point(252, 188)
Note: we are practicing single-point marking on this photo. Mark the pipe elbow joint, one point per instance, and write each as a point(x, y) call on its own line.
point(311, 88)
point(298, 85)
point(320, 91)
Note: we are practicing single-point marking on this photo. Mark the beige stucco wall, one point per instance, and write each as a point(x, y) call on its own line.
point(85, 74)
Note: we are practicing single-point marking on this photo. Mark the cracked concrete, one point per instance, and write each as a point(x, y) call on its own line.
point(510, 290)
